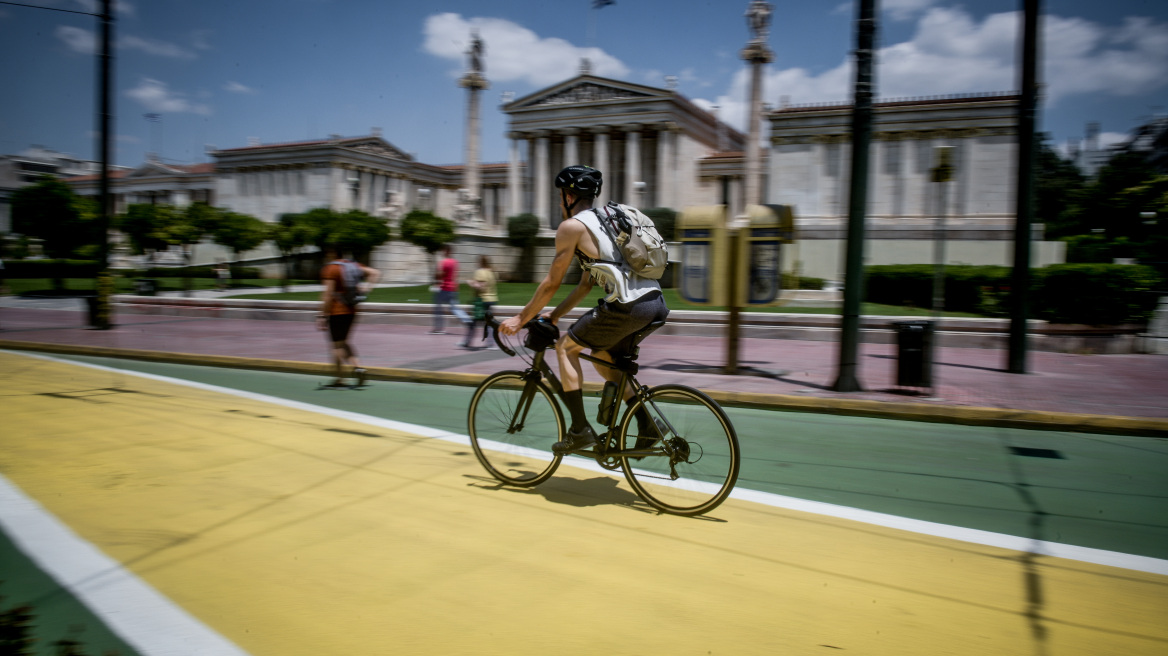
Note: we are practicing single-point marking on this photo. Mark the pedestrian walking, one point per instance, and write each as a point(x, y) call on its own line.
point(486, 295)
point(446, 294)
point(345, 284)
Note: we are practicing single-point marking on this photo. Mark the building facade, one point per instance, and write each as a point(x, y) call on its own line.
point(656, 148)
point(28, 167)
point(809, 168)
point(647, 142)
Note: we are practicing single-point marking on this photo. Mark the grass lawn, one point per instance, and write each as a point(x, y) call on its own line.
point(510, 293)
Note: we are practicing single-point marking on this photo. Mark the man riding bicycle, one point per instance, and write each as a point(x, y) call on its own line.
point(632, 302)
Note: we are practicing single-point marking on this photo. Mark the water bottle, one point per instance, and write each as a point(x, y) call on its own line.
point(607, 403)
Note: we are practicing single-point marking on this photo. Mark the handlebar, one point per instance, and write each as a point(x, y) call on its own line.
point(493, 323)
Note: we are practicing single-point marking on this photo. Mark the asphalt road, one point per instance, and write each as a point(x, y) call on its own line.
point(288, 520)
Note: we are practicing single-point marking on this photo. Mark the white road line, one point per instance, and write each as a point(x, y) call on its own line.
point(974, 536)
point(140, 615)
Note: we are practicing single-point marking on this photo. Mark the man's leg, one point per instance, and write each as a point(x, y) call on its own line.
point(439, 311)
point(580, 435)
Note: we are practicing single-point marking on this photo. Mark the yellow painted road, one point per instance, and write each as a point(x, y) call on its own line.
point(293, 532)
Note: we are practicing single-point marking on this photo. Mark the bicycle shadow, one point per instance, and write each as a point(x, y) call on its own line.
point(578, 493)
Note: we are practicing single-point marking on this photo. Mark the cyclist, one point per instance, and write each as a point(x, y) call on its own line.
point(632, 302)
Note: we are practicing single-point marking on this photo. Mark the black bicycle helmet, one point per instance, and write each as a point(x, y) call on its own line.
point(581, 180)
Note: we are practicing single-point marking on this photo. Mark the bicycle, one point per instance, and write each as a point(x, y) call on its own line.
point(688, 467)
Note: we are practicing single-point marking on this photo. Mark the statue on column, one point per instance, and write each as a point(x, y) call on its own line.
point(758, 19)
point(476, 53)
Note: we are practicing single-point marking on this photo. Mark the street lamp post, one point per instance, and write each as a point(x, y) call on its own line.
point(101, 320)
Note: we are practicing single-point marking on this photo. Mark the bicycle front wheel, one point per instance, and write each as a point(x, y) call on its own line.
point(693, 466)
point(513, 423)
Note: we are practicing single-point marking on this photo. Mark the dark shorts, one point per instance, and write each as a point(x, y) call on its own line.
point(339, 326)
point(611, 326)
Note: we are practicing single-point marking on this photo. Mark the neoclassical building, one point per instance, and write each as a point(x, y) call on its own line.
point(656, 148)
point(648, 142)
point(809, 168)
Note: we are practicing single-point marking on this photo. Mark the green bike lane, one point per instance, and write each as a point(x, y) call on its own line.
point(1094, 491)
point(1090, 490)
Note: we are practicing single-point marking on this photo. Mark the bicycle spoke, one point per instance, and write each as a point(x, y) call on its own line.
point(512, 425)
point(695, 466)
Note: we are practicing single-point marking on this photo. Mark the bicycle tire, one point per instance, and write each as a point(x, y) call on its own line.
point(698, 424)
point(521, 456)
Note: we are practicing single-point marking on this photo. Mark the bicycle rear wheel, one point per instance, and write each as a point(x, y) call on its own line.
point(694, 466)
point(512, 424)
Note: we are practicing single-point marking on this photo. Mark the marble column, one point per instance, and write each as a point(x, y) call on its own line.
point(666, 166)
point(757, 54)
point(601, 162)
point(474, 82)
point(632, 162)
point(514, 182)
point(542, 181)
point(571, 146)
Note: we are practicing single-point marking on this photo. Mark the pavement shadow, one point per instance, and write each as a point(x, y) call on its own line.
point(580, 493)
point(597, 491)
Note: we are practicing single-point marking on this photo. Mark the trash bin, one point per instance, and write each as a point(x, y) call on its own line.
point(145, 286)
point(914, 353)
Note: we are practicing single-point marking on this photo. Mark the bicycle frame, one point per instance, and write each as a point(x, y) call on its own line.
point(541, 369)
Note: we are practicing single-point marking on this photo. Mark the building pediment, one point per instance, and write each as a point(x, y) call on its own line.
point(377, 146)
point(586, 89)
point(153, 170)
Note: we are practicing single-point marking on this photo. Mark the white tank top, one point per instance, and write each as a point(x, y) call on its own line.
point(620, 283)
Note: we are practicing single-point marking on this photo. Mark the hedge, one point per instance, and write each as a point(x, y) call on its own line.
point(1095, 294)
point(50, 269)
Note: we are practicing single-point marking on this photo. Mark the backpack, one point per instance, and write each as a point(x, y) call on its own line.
point(637, 239)
point(351, 276)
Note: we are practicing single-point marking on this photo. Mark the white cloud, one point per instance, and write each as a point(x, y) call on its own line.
point(153, 47)
point(236, 87)
point(952, 53)
point(85, 42)
point(513, 53)
point(77, 39)
point(157, 97)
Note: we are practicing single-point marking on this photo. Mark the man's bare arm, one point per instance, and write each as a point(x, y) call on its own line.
point(567, 236)
point(574, 298)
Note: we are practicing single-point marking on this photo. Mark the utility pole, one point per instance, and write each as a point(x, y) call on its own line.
point(105, 116)
point(1027, 109)
point(847, 380)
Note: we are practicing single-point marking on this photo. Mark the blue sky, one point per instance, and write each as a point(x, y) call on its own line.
point(220, 73)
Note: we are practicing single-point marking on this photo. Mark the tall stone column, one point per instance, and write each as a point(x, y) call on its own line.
point(632, 162)
point(542, 180)
point(473, 82)
point(514, 182)
point(757, 54)
point(666, 167)
point(571, 146)
point(602, 163)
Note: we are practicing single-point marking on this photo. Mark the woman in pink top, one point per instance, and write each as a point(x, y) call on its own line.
point(446, 281)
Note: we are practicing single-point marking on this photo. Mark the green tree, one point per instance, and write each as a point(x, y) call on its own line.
point(147, 227)
point(522, 233)
point(240, 233)
point(290, 234)
point(357, 232)
point(188, 229)
point(49, 211)
point(430, 232)
point(1059, 187)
